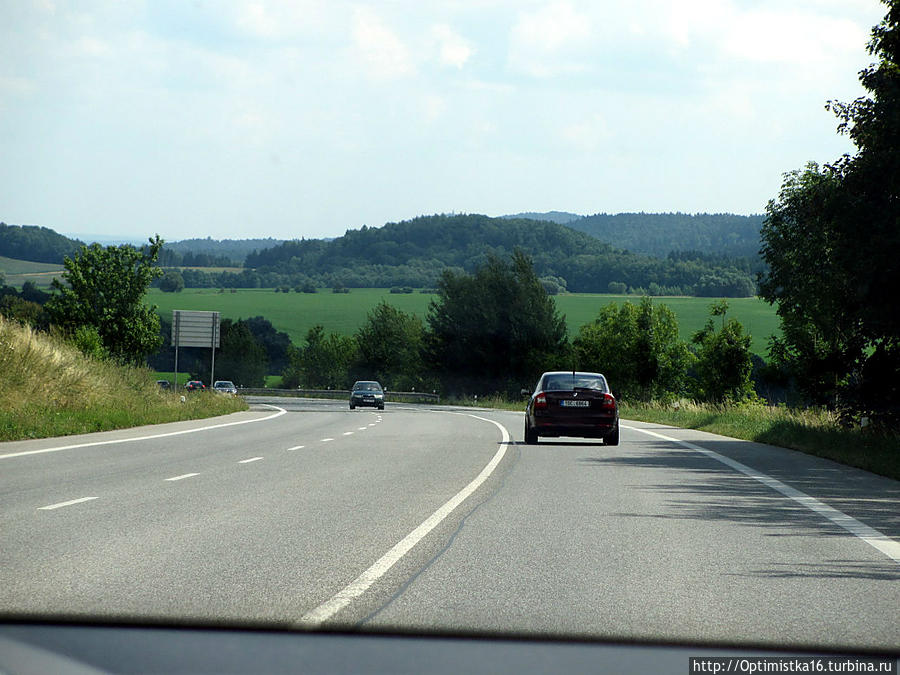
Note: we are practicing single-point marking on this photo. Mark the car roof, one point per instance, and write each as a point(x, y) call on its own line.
point(577, 373)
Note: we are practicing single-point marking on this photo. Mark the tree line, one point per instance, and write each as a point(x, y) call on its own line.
point(659, 234)
point(415, 252)
point(37, 244)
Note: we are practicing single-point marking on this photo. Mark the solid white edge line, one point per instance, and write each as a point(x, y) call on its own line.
point(68, 503)
point(182, 476)
point(365, 580)
point(281, 411)
point(871, 536)
point(247, 461)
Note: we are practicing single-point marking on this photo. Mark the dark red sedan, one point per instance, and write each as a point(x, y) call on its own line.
point(570, 403)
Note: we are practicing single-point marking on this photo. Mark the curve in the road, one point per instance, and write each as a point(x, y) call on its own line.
point(364, 581)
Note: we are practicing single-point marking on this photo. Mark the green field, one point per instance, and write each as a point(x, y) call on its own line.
point(17, 272)
point(296, 313)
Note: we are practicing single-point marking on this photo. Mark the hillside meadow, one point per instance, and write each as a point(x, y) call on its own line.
point(296, 313)
point(17, 272)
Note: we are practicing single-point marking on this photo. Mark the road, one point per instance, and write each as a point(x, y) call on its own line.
point(303, 513)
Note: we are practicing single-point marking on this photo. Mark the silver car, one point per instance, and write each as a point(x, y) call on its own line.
point(225, 387)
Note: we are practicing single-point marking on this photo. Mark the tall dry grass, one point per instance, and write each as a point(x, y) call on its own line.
point(49, 388)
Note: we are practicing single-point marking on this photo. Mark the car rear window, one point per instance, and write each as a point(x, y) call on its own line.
point(568, 382)
point(367, 386)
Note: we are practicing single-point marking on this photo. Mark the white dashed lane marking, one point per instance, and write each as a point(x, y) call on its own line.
point(62, 504)
point(182, 476)
point(252, 459)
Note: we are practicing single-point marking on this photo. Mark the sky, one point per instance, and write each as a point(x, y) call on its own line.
point(298, 118)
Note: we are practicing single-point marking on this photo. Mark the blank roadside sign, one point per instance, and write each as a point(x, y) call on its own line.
point(195, 329)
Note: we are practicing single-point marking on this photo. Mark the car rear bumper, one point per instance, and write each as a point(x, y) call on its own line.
point(581, 427)
point(575, 430)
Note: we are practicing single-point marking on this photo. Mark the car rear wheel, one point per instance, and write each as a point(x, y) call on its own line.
point(531, 437)
point(352, 406)
point(612, 438)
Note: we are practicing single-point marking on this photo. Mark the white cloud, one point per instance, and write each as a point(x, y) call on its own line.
point(277, 20)
point(587, 134)
point(383, 54)
point(549, 41)
point(433, 106)
point(790, 37)
point(454, 49)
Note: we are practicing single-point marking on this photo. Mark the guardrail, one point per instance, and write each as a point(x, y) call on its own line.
point(393, 396)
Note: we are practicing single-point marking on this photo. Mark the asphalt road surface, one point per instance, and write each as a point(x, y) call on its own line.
point(304, 513)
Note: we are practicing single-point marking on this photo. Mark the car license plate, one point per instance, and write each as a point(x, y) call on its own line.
point(575, 404)
point(369, 399)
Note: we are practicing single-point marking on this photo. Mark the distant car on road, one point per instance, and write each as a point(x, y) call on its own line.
point(367, 392)
point(195, 385)
point(225, 387)
point(568, 403)
point(163, 384)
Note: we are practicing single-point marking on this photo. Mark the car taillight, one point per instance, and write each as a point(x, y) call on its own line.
point(608, 401)
point(540, 401)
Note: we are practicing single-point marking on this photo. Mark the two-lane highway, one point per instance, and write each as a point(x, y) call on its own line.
point(305, 513)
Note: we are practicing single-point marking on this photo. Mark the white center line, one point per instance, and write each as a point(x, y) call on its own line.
point(183, 476)
point(297, 447)
point(325, 440)
point(62, 504)
point(362, 428)
point(252, 459)
point(364, 581)
point(348, 433)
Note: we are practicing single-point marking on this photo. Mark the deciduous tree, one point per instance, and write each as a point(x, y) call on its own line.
point(832, 244)
point(104, 288)
point(496, 329)
point(637, 348)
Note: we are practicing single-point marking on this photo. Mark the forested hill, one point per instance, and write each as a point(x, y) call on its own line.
point(414, 252)
point(37, 244)
point(559, 217)
point(223, 251)
point(658, 234)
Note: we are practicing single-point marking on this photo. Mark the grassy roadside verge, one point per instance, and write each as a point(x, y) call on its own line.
point(814, 432)
point(50, 389)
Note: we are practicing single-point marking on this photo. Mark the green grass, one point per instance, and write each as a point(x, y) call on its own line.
point(51, 389)
point(296, 313)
